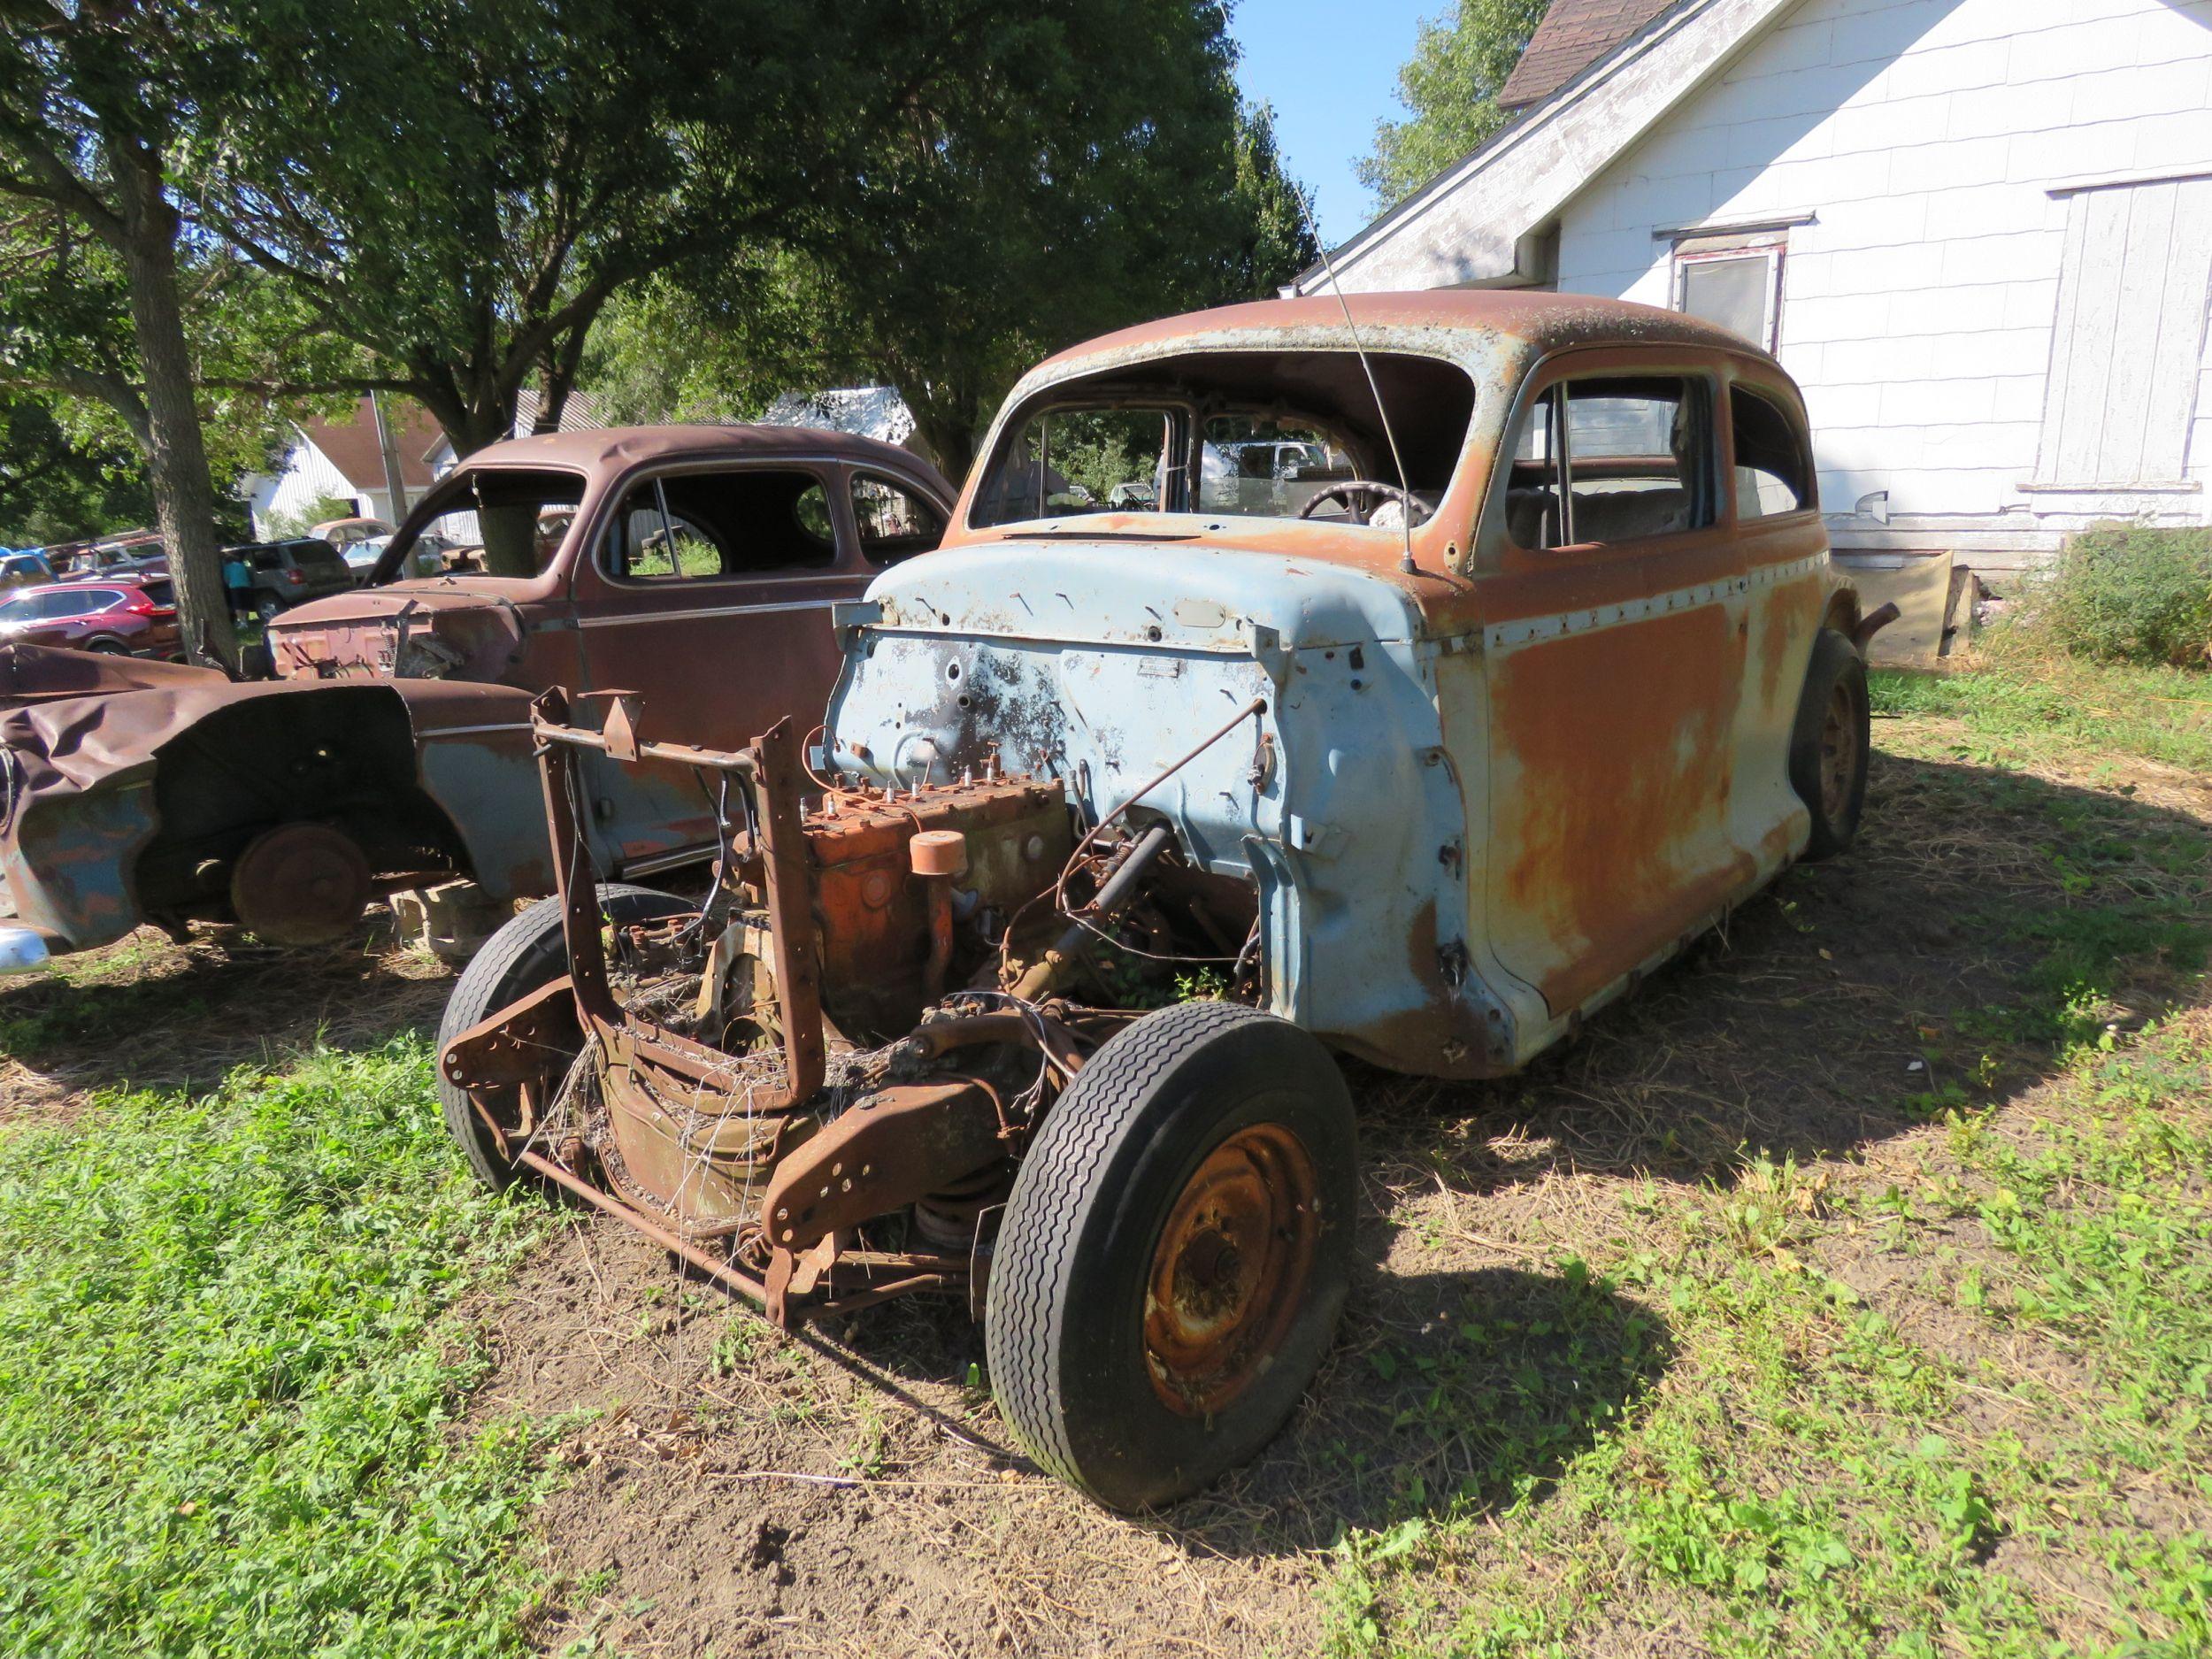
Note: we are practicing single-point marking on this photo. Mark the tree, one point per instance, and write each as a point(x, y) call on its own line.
point(1450, 87)
point(459, 190)
point(90, 113)
point(1053, 171)
point(54, 488)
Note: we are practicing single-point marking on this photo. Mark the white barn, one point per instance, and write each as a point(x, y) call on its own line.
point(341, 460)
point(1978, 233)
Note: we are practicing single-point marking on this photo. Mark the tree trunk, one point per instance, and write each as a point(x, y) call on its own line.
point(176, 457)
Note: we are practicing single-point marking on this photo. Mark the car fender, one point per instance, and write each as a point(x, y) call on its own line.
point(122, 806)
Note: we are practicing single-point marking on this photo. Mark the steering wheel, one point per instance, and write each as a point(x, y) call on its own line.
point(1371, 495)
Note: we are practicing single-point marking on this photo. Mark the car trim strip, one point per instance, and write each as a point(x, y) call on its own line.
point(1533, 630)
point(700, 615)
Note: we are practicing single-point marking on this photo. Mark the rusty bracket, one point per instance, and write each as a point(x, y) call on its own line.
point(885, 1151)
point(511, 1046)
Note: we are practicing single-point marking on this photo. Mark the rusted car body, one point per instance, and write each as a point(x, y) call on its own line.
point(1424, 769)
point(392, 749)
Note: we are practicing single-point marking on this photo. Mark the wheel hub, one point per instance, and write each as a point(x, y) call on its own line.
point(300, 884)
point(1230, 1269)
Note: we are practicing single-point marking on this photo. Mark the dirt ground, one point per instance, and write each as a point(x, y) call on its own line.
point(852, 1492)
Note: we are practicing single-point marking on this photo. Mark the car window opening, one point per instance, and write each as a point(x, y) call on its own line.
point(681, 526)
point(494, 521)
point(1613, 459)
point(1292, 434)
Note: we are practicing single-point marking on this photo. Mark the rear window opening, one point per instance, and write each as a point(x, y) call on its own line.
point(1266, 434)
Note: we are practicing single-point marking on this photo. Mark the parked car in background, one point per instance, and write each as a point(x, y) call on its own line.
point(692, 566)
point(149, 560)
point(123, 615)
point(343, 533)
point(427, 555)
point(27, 569)
point(288, 573)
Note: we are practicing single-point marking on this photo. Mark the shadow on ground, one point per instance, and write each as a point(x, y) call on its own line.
point(146, 1013)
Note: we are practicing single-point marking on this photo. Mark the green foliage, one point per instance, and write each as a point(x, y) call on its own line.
point(230, 1376)
point(1449, 85)
point(52, 490)
point(1030, 200)
point(2121, 592)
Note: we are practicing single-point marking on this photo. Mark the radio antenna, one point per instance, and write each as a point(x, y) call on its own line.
point(1405, 485)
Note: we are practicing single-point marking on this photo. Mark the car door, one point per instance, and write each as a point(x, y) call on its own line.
point(706, 592)
point(1784, 549)
point(1612, 599)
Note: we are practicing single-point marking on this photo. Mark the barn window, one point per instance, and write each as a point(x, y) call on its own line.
point(1735, 280)
point(2130, 335)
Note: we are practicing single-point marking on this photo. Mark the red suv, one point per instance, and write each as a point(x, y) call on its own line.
point(134, 616)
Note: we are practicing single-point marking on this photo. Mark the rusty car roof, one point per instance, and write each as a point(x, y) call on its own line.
point(618, 448)
point(1542, 320)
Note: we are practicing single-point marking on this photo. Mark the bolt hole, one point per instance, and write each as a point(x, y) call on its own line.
point(1153, 632)
point(952, 670)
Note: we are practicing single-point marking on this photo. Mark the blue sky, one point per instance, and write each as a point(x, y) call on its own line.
point(1331, 71)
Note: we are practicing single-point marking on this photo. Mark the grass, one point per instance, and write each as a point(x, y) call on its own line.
point(2021, 705)
point(1943, 1389)
point(1816, 1474)
point(1955, 1398)
point(230, 1370)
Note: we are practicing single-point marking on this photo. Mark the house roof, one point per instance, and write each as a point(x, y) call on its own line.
point(351, 444)
point(867, 411)
point(1574, 35)
point(1478, 220)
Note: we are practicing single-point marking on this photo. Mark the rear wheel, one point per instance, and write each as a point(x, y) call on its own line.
point(1176, 1252)
point(526, 954)
point(267, 608)
point(1828, 745)
point(108, 648)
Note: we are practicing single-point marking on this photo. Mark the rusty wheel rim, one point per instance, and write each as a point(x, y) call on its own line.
point(1230, 1269)
point(1839, 752)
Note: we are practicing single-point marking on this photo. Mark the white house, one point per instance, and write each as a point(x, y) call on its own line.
point(342, 460)
point(1977, 231)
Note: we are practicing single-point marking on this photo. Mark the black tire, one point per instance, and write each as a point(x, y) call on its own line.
point(1828, 744)
point(108, 648)
point(267, 608)
point(1069, 1328)
point(525, 953)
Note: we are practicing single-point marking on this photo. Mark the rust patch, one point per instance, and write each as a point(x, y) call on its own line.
point(1786, 619)
point(1615, 836)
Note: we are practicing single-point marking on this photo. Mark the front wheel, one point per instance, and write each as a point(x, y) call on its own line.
point(526, 954)
point(1176, 1252)
point(1828, 744)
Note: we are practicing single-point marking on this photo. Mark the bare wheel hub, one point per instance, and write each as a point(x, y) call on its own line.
point(300, 884)
point(1230, 1269)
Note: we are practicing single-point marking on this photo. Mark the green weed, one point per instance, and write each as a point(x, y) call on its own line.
point(230, 1376)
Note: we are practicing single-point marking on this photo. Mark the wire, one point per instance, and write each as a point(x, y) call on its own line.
point(1405, 483)
point(1258, 705)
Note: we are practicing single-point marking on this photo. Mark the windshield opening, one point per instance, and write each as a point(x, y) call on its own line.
point(497, 521)
point(1273, 434)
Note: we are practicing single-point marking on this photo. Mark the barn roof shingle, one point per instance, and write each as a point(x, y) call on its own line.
point(1574, 35)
